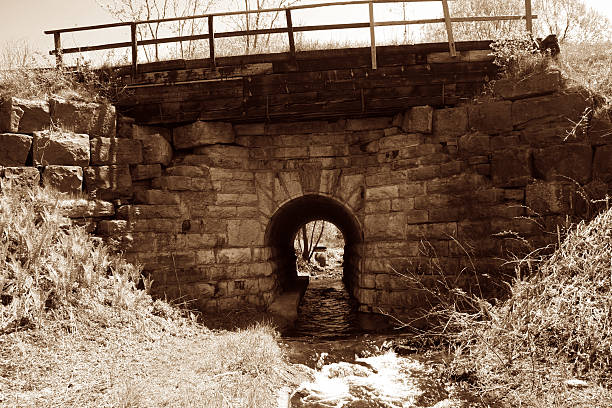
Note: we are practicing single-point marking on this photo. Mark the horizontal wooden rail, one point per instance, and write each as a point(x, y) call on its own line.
point(290, 29)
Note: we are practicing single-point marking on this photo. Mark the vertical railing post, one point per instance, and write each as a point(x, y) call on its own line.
point(290, 33)
point(372, 35)
point(449, 29)
point(211, 42)
point(58, 49)
point(134, 49)
point(528, 18)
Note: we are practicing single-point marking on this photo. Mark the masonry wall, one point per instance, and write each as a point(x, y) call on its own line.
point(433, 190)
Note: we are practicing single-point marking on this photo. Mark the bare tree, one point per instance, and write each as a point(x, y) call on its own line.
point(308, 245)
point(133, 10)
point(572, 21)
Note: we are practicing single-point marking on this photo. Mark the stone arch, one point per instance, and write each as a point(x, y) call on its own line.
point(290, 216)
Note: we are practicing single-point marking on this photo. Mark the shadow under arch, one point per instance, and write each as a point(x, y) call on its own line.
point(288, 219)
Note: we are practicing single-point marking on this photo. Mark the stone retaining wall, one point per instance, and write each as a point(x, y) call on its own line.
point(453, 188)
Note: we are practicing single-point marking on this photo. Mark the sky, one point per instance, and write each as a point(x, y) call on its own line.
point(27, 19)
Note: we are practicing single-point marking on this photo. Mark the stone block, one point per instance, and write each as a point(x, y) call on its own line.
point(14, 149)
point(602, 163)
point(532, 85)
point(66, 179)
point(368, 123)
point(112, 228)
point(146, 172)
point(544, 198)
point(21, 176)
point(94, 119)
point(205, 257)
point(19, 115)
point(381, 193)
point(491, 117)
point(104, 150)
point(202, 133)
point(233, 255)
point(250, 129)
point(600, 131)
point(563, 162)
point(82, 208)
point(399, 141)
point(418, 119)
point(542, 133)
point(568, 106)
point(244, 233)
point(156, 197)
point(186, 171)
point(450, 123)
point(156, 149)
point(109, 182)
point(132, 212)
point(388, 226)
point(439, 231)
point(511, 167)
point(60, 147)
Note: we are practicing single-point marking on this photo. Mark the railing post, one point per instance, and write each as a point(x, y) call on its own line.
point(449, 29)
point(372, 35)
point(528, 18)
point(211, 42)
point(58, 49)
point(134, 49)
point(290, 33)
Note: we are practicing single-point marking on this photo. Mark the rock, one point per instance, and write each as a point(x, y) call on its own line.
point(21, 176)
point(94, 119)
point(106, 150)
point(474, 144)
point(564, 163)
point(511, 167)
point(24, 116)
point(321, 259)
point(533, 85)
point(146, 171)
point(156, 147)
point(491, 117)
point(14, 149)
point(450, 123)
point(83, 208)
point(602, 163)
point(569, 107)
point(545, 198)
point(202, 133)
point(109, 182)
point(418, 119)
point(60, 147)
point(244, 233)
point(66, 179)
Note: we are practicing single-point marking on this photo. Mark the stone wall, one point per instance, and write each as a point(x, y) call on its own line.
point(454, 188)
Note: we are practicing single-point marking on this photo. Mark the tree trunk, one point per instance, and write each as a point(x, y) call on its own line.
point(305, 249)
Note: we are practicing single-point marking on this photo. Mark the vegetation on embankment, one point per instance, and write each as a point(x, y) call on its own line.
point(75, 330)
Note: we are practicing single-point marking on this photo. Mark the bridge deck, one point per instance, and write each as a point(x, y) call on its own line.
point(313, 84)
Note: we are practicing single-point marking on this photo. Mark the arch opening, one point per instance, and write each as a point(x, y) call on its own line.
point(287, 222)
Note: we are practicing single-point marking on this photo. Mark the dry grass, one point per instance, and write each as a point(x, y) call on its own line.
point(75, 331)
point(555, 326)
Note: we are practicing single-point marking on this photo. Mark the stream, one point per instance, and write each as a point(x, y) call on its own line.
point(353, 368)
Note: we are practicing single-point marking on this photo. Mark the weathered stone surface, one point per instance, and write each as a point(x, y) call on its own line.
point(600, 131)
point(108, 182)
point(511, 167)
point(156, 197)
point(602, 163)
point(418, 119)
point(491, 117)
point(532, 85)
point(565, 162)
point(82, 208)
point(474, 144)
point(186, 171)
point(133, 212)
point(156, 147)
point(234, 255)
point(104, 150)
point(368, 123)
point(545, 198)
point(241, 233)
point(112, 227)
point(146, 171)
point(21, 176)
point(94, 119)
point(66, 179)
point(388, 226)
point(569, 106)
point(543, 133)
point(450, 123)
point(14, 149)
point(60, 147)
point(203, 133)
point(24, 116)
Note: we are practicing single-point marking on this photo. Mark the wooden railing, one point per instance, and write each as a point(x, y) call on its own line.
point(290, 29)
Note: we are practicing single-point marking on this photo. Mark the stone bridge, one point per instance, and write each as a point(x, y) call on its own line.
point(211, 172)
